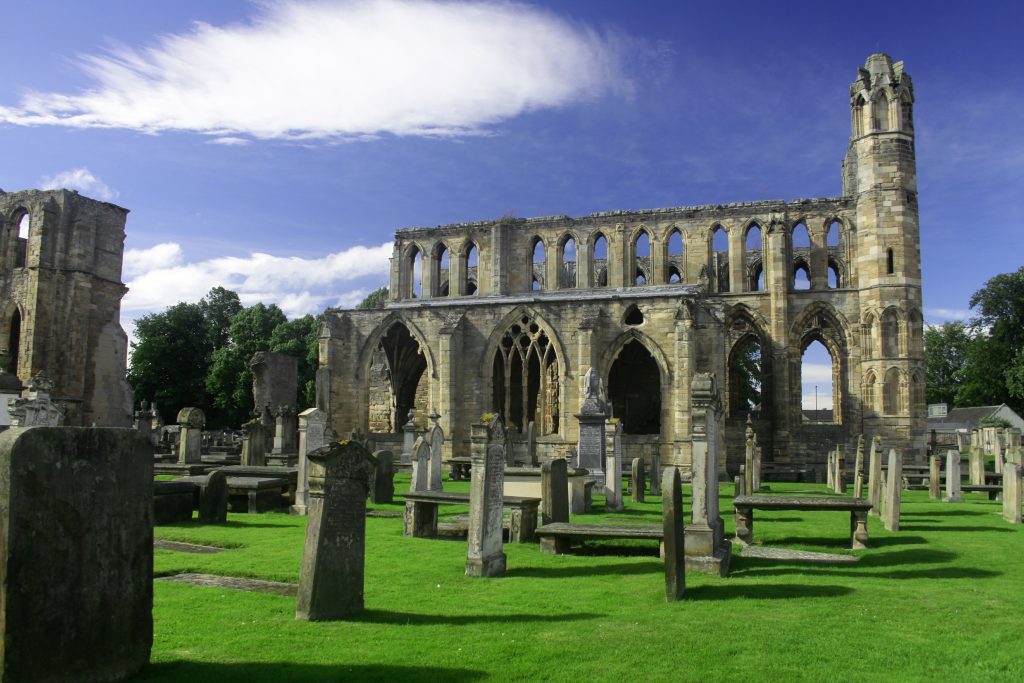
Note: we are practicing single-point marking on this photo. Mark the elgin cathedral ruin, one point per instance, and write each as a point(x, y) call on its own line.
point(508, 316)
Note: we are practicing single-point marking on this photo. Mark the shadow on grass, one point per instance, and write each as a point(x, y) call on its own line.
point(764, 591)
point(284, 673)
point(613, 549)
point(595, 570)
point(925, 527)
point(376, 616)
point(873, 565)
point(840, 541)
point(944, 513)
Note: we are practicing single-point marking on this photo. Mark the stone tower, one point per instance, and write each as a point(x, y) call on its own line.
point(880, 173)
point(60, 301)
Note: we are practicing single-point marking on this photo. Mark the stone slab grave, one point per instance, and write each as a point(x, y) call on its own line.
point(289, 474)
point(173, 501)
point(484, 554)
point(234, 583)
point(76, 554)
point(334, 554)
point(421, 515)
point(857, 507)
point(525, 482)
point(255, 495)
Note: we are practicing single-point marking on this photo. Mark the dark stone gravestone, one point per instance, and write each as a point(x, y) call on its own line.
point(213, 498)
point(76, 554)
point(382, 483)
point(637, 484)
point(675, 550)
point(554, 502)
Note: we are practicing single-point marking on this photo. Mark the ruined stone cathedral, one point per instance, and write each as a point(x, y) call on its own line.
point(507, 316)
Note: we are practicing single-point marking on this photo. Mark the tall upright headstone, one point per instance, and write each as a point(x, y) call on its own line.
point(313, 434)
point(637, 476)
point(190, 447)
point(334, 555)
point(893, 490)
point(76, 554)
point(554, 503)
point(436, 438)
point(976, 462)
point(1012, 492)
point(858, 469)
point(758, 471)
point(707, 549)
point(408, 440)
point(420, 466)
point(382, 485)
point(830, 473)
point(655, 473)
point(613, 467)
point(284, 430)
point(934, 476)
point(953, 477)
point(484, 553)
point(840, 475)
point(592, 416)
point(254, 443)
point(143, 421)
point(875, 475)
point(674, 535)
point(998, 449)
point(275, 382)
point(531, 442)
point(748, 453)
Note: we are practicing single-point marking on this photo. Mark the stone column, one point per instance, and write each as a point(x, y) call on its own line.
point(484, 555)
point(875, 476)
point(1012, 493)
point(312, 435)
point(190, 421)
point(436, 438)
point(707, 549)
point(893, 489)
point(592, 416)
point(554, 503)
point(331, 578)
point(953, 477)
point(934, 475)
point(674, 538)
point(858, 469)
point(613, 467)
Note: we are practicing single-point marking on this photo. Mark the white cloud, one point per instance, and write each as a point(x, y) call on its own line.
point(80, 179)
point(159, 277)
point(341, 69)
point(229, 141)
point(946, 314)
point(816, 373)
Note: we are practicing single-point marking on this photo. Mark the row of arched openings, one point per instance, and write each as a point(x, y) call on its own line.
point(441, 282)
point(883, 114)
point(752, 258)
point(900, 392)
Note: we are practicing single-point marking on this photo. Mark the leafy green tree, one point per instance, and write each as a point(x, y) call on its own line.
point(945, 354)
point(219, 306)
point(299, 338)
point(230, 379)
point(375, 299)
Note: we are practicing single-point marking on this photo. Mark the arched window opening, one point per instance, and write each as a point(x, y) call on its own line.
point(801, 237)
point(536, 284)
point(24, 226)
point(634, 387)
point(634, 316)
point(917, 402)
point(906, 113)
point(569, 263)
point(891, 392)
point(720, 259)
point(833, 275)
point(442, 270)
point(676, 259)
point(880, 113)
point(752, 248)
point(801, 275)
point(915, 331)
point(415, 266)
point(537, 259)
point(21, 247)
point(642, 254)
point(525, 378)
point(869, 336)
point(599, 262)
point(397, 381)
point(890, 334)
point(860, 112)
point(745, 376)
point(756, 277)
point(890, 262)
point(472, 269)
point(13, 343)
point(832, 238)
point(870, 390)
point(818, 382)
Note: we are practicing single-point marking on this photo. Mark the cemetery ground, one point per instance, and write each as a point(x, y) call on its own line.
point(942, 598)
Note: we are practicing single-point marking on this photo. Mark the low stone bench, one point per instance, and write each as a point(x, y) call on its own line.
point(993, 490)
point(460, 468)
point(583, 532)
point(173, 501)
point(421, 513)
point(857, 507)
point(289, 474)
point(255, 494)
point(181, 469)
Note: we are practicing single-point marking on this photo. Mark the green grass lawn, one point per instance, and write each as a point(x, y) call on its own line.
point(942, 599)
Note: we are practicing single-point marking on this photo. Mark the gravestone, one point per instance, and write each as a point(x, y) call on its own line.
point(757, 465)
point(830, 471)
point(655, 474)
point(190, 446)
point(420, 465)
point(35, 409)
point(976, 465)
point(484, 556)
point(510, 449)
point(674, 538)
point(408, 439)
point(934, 477)
point(313, 434)
point(531, 442)
point(748, 460)
point(998, 450)
point(875, 476)
point(592, 416)
point(637, 483)
point(382, 486)
point(893, 489)
point(254, 443)
point(613, 467)
point(284, 430)
point(213, 498)
point(1012, 492)
point(738, 485)
point(554, 503)
point(840, 475)
point(707, 549)
point(436, 438)
point(333, 558)
point(858, 469)
point(76, 554)
point(953, 494)
point(143, 421)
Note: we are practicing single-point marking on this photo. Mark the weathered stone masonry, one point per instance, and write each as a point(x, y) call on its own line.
point(507, 316)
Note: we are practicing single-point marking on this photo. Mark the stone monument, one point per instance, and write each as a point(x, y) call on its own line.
point(934, 476)
point(313, 435)
point(35, 409)
point(420, 466)
point(436, 438)
point(382, 485)
point(707, 549)
point(875, 476)
point(592, 416)
point(953, 477)
point(190, 444)
point(674, 529)
point(858, 469)
point(613, 467)
point(893, 490)
point(1012, 492)
point(484, 554)
point(554, 503)
point(637, 480)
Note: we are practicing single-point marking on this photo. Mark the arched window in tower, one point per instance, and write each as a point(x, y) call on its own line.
point(834, 281)
point(13, 342)
point(634, 388)
point(906, 112)
point(745, 376)
point(719, 265)
point(599, 263)
point(818, 383)
point(870, 391)
point(869, 336)
point(890, 334)
point(415, 269)
point(397, 380)
point(752, 258)
point(861, 125)
point(526, 378)
point(21, 248)
point(915, 332)
point(801, 274)
point(917, 401)
point(472, 270)
point(537, 260)
point(880, 113)
point(676, 259)
point(642, 258)
point(890, 262)
point(569, 263)
point(442, 270)
point(891, 392)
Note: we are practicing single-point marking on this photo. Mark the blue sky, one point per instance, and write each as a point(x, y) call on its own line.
point(274, 147)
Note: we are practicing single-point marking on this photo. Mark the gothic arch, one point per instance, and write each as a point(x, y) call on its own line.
point(503, 325)
point(742, 325)
point(366, 355)
point(823, 316)
point(612, 351)
point(401, 399)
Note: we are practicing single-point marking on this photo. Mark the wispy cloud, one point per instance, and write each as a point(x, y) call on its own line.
point(80, 179)
point(942, 315)
point(160, 276)
point(343, 69)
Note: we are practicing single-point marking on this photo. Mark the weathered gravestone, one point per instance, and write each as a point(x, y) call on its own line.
point(592, 416)
point(655, 474)
point(331, 579)
point(76, 554)
point(858, 469)
point(284, 430)
point(875, 476)
point(707, 549)
point(738, 484)
point(436, 438)
point(143, 421)
point(313, 434)
point(213, 498)
point(893, 490)
point(953, 494)
point(190, 445)
point(976, 464)
point(554, 503)
point(382, 485)
point(637, 483)
point(830, 471)
point(408, 440)
point(748, 460)
point(840, 475)
point(484, 555)
point(674, 539)
point(35, 409)
point(254, 443)
point(1011, 492)
point(420, 466)
point(934, 477)
point(613, 467)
